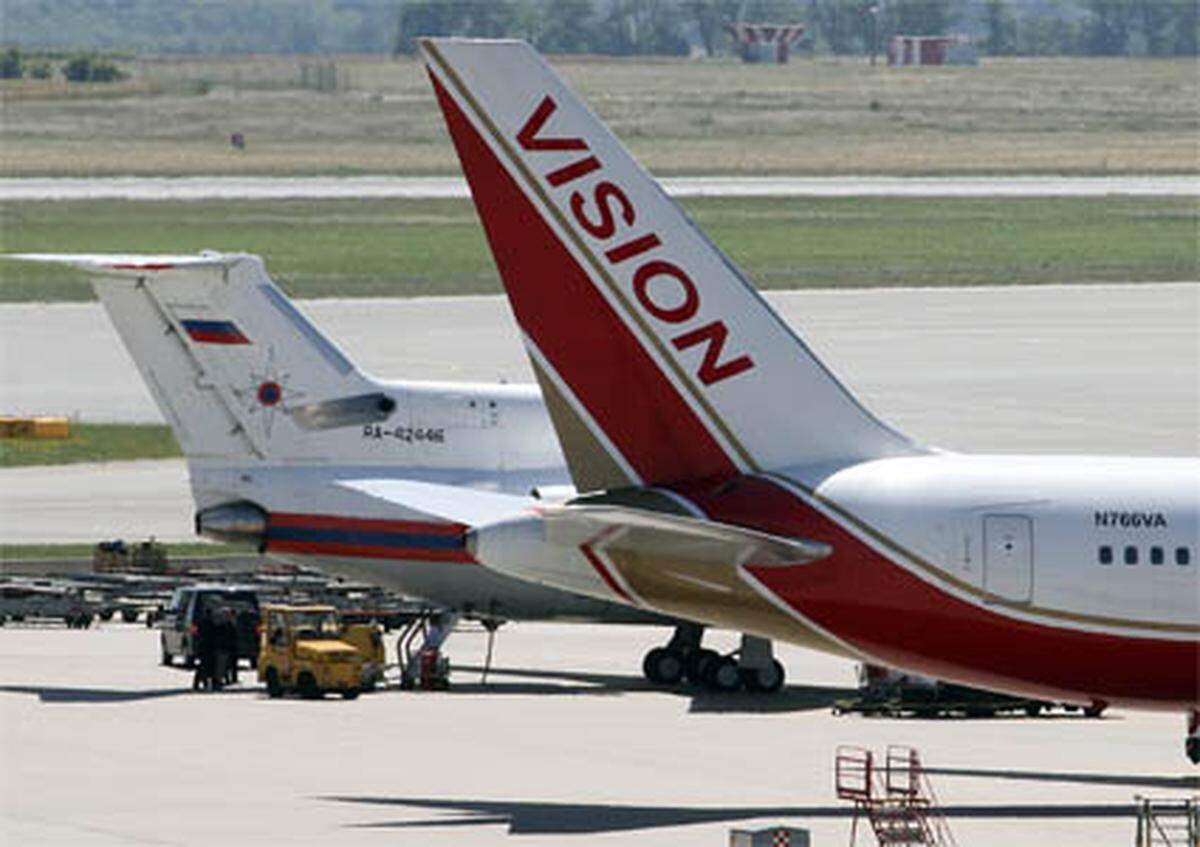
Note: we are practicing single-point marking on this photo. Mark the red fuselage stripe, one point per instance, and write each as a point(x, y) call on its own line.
point(363, 551)
point(883, 609)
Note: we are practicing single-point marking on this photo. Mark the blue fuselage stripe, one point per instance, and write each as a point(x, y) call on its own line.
point(367, 539)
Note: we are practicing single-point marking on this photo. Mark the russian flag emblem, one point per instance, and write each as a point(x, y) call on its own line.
point(214, 332)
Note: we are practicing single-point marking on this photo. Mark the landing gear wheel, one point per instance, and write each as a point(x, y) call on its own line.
point(274, 686)
point(308, 687)
point(698, 663)
point(723, 675)
point(765, 680)
point(129, 615)
point(350, 694)
point(662, 666)
point(1095, 710)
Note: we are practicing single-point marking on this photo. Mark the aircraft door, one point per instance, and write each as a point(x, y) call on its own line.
point(1008, 557)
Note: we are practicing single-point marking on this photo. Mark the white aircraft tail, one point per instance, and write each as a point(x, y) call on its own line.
point(658, 361)
point(240, 374)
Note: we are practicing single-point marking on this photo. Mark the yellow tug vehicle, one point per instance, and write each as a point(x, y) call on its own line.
point(305, 649)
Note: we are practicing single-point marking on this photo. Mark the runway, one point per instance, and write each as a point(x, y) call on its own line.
point(330, 188)
point(565, 744)
point(1078, 369)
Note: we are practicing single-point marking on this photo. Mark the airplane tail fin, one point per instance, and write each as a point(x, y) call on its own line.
point(239, 373)
point(658, 361)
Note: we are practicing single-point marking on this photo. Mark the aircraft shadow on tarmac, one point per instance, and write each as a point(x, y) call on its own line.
point(534, 818)
point(55, 694)
point(793, 698)
point(1184, 783)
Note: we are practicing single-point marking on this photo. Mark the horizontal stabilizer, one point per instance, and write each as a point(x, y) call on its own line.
point(674, 537)
point(128, 263)
point(673, 564)
point(467, 506)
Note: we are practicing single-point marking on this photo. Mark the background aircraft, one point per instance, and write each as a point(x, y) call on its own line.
point(292, 447)
point(730, 478)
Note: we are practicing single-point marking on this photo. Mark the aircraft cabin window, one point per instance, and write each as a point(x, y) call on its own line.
point(1131, 555)
point(1156, 555)
point(1106, 555)
point(1183, 556)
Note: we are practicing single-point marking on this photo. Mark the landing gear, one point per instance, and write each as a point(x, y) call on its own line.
point(758, 668)
point(663, 666)
point(752, 666)
point(722, 675)
point(1192, 745)
point(699, 662)
point(669, 664)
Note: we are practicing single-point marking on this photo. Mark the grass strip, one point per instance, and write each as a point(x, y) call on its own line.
point(92, 443)
point(404, 248)
point(13, 552)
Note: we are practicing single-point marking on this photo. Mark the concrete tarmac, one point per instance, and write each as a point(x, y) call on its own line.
point(409, 187)
point(565, 744)
point(1076, 369)
point(86, 503)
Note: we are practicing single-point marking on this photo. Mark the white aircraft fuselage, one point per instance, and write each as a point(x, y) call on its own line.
point(797, 514)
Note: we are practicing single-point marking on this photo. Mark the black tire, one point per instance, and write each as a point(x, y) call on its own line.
point(1192, 748)
point(106, 614)
point(167, 659)
point(670, 667)
point(129, 615)
point(1033, 709)
point(698, 663)
point(274, 686)
point(350, 694)
point(307, 685)
point(766, 680)
point(1095, 710)
point(723, 675)
point(662, 666)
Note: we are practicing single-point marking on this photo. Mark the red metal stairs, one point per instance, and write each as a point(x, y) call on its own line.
point(894, 796)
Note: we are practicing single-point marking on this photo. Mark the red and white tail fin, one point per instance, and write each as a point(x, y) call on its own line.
point(658, 361)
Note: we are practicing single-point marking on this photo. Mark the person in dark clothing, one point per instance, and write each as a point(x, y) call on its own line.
point(205, 648)
point(227, 647)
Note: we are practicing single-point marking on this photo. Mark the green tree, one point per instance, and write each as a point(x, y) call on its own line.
point(922, 17)
point(1185, 26)
point(1001, 39)
point(567, 26)
point(845, 26)
point(12, 64)
point(711, 18)
point(1108, 28)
